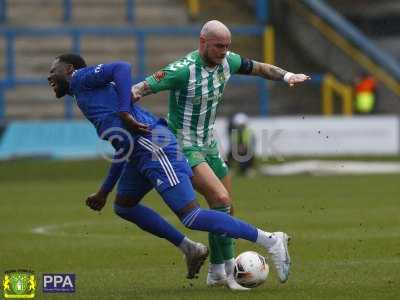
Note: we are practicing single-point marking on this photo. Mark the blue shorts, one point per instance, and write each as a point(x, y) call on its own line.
point(158, 162)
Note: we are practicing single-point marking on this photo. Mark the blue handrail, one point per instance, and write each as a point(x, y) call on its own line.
point(130, 10)
point(3, 11)
point(140, 34)
point(262, 10)
point(67, 10)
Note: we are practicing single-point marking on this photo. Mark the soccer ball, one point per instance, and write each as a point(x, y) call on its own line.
point(251, 269)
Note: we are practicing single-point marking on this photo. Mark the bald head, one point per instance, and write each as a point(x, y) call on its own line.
point(214, 29)
point(215, 39)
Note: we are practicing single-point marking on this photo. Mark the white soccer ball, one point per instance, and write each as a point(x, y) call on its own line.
point(251, 269)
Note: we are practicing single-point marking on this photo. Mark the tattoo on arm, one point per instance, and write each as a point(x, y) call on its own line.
point(267, 71)
point(142, 88)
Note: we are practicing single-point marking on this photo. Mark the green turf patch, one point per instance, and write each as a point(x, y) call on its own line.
point(345, 229)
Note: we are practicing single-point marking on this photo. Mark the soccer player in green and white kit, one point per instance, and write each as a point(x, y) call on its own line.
point(196, 83)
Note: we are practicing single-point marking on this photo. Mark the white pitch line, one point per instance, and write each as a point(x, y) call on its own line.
point(57, 230)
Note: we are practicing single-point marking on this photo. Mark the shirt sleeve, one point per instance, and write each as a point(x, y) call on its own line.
point(122, 148)
point(114, 173)
point(118, 72)
point(168, 78)
point(234, 61)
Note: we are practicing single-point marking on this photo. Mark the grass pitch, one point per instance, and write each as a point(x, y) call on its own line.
point(346, 235)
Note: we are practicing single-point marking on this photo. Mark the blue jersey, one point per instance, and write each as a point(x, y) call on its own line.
point(102, 91)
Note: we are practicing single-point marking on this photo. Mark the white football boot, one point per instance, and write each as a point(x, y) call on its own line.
point(215, 279)
point(279, 254)
point(233, 285)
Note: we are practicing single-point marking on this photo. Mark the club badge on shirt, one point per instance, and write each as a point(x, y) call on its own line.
point(159, 75)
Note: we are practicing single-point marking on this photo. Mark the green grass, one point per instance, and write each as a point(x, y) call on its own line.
point(346, 235)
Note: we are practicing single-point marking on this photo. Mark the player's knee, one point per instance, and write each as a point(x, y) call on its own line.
point(118, 210)
point(221, 199)
point(122, 203)
point(188, 213)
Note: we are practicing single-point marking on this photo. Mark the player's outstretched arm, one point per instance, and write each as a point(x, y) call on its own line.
point(97, 200)
point(169, 78)
point(272, 72)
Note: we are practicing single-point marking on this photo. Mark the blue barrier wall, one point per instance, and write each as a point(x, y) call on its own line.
point(52, 139)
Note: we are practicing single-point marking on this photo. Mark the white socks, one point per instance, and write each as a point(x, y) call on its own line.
point(229, 266)
point(216, 268)
point(222, 269)
point(266, 239)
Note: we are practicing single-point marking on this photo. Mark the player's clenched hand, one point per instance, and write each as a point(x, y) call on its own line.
point(136, 93)
point(293, 79)
point(97, 200)
point(134, 125)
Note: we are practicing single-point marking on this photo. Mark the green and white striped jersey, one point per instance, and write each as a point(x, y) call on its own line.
point(195, 92)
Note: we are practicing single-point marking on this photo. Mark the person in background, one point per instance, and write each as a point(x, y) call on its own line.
point(242, 144)
point(365, 94)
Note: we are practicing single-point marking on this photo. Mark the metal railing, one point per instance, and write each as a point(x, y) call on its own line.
point(350, 40)
point(11, 80)
point(330, 86)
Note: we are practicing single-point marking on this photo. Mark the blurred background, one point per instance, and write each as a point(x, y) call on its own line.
point(350, 48)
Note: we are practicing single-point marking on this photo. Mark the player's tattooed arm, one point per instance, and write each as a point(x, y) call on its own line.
point(268, 71)
point(272, 72)
point(140, 90)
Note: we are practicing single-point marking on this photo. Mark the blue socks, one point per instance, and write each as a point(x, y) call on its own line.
point(219, 223)
point(150, 221)
point(197, 219)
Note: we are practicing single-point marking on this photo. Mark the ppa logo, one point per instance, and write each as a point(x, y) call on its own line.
point(58, 283)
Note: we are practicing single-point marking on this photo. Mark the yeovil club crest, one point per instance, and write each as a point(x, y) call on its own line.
point(19, 284)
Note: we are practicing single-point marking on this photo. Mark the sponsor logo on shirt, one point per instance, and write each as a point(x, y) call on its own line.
point(98, 68)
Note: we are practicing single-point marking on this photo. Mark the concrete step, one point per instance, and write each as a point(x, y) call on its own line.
point(35, 102)
point(91, 12)
point(32, 102)
point(164, 50)
point(46, 12)
point(34, 55)
point(366, 8)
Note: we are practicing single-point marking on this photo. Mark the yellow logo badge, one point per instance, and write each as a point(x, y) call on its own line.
point(19, 284)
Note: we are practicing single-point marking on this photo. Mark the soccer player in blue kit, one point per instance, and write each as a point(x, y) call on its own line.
point(103, 93)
